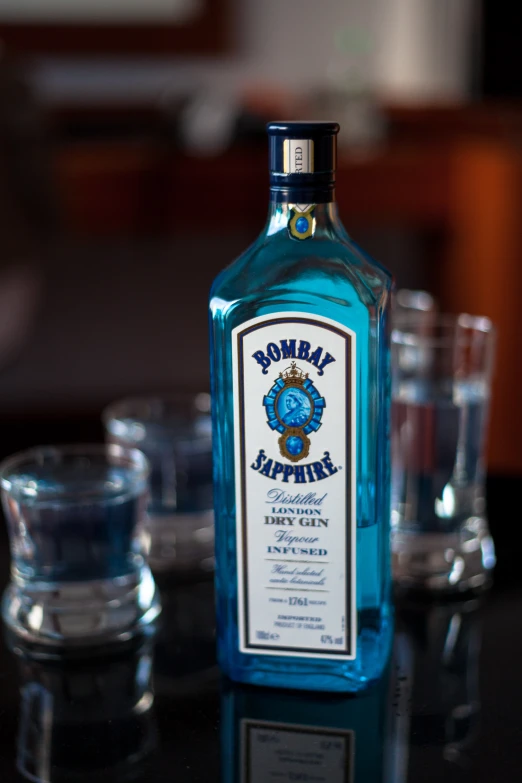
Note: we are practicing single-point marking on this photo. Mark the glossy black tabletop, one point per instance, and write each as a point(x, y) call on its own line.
point(449, 709)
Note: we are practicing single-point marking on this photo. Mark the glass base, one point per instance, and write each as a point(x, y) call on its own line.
point(452, 562)
point(75, 615)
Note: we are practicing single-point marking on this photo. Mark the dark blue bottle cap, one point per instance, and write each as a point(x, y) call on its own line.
point(303, 155)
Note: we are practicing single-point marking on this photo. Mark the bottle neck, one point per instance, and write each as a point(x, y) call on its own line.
point(318, 219)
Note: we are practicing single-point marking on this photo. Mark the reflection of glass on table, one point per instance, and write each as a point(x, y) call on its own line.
point(443, 640)
point(86, 720)
point(441, 389)
point(174, 431)
point(78, 535)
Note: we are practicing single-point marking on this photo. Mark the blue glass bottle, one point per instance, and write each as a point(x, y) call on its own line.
point(300, 386)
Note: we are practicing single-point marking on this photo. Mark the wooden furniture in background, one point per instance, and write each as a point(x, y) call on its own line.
point(482, 273)
point(463, 185)
point(208, 31)
point(137, 187)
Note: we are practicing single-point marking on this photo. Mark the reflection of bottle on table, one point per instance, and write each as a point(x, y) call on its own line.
point(86, 719)
point(276, 735)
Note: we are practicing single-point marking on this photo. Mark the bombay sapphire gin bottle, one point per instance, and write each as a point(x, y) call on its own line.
point(300, 381)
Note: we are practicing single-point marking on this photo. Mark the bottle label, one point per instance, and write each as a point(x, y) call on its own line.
point(294, 435)
point(280, 751)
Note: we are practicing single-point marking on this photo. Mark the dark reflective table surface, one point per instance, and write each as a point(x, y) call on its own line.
point(450, 708)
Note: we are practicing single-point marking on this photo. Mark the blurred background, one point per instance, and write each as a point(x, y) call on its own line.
point(133, 167)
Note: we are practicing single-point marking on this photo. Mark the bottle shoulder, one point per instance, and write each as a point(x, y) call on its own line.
point(230, 276)
point(278, 266)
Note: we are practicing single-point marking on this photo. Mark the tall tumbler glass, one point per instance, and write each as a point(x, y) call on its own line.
point(78, 535)
point(441, 389)
point(174, 431)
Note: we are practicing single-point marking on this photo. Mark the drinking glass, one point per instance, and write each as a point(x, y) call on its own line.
point(174, 431)
point(78, 536)
point(441, 383)
point(414, 303)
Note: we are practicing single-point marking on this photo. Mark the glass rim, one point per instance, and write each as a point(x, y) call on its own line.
point(406, 329)
point(131, 419)
point(419, 300)
point(114, 410)
point(36, 454)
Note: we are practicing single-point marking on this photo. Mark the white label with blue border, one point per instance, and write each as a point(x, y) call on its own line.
point(295, 457)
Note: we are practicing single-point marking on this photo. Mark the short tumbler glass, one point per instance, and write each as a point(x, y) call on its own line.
point(78, 535)
point(441, 386)
point(174, 431)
